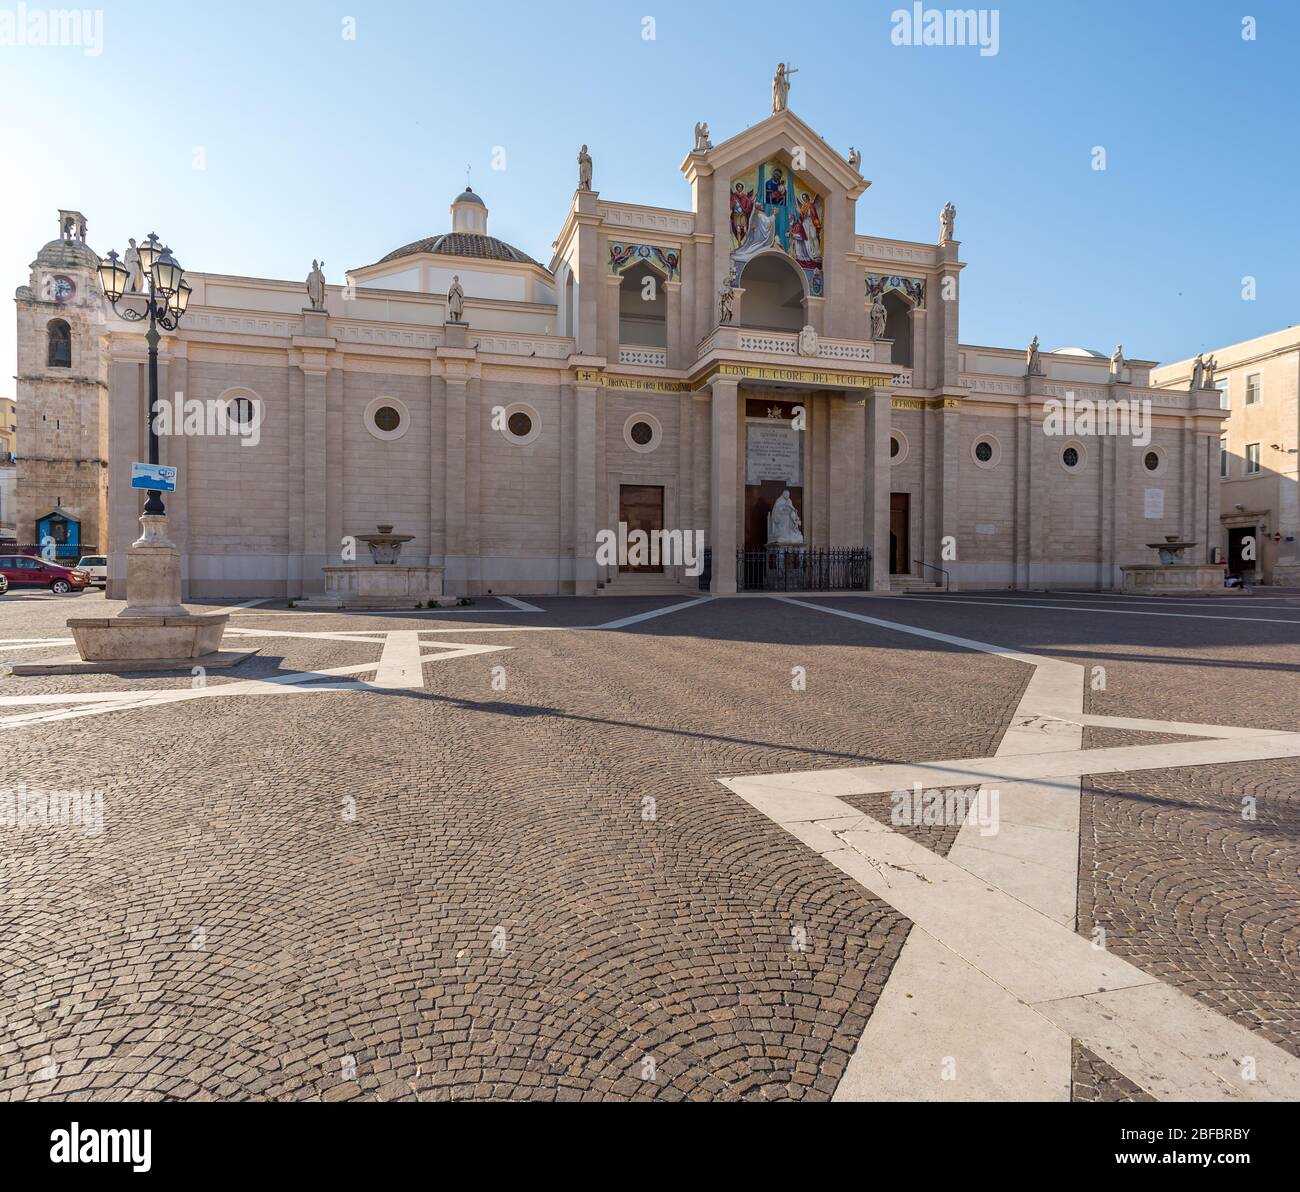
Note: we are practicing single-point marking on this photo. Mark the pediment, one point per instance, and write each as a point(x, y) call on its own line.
point(782, 136)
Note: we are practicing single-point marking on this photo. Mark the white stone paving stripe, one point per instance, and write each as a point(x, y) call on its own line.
point(522, 605)
point(1107, 612)
point(637, 618)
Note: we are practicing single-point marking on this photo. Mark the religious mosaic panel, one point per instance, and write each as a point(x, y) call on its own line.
point(878, 285)
point(773, 207)
point(623, 256)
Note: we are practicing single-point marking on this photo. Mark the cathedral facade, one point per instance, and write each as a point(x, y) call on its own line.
point(753, 361)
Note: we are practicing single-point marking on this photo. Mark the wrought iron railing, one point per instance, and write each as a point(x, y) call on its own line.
point(940, 570)
point(797, 569)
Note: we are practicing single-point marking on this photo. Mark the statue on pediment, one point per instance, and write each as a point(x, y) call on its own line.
point(1198, 373)
point(702, 142)
point(855, 159)
point(781, 87)
point(1211, 365)
point(584, 169)
point(1117, 362)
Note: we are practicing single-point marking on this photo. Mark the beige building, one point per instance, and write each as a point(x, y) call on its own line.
point(1259, 387)
point(665, 369)
point(8, 466)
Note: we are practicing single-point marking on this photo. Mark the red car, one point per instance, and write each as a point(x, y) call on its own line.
point(29, 571)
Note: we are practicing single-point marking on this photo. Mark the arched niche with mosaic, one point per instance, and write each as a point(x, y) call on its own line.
point(774, 207)
point(622, 257)
point(913, 288)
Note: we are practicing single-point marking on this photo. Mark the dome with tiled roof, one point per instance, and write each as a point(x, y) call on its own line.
point(468, 237)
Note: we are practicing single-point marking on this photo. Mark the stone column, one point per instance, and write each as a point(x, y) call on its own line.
point(723, 505)
point(586, 397)
point(875, 511)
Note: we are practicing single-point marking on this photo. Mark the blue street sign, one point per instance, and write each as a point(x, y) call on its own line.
point(155, 477)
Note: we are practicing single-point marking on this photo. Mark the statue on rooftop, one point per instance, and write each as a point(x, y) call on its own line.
point(455, 301)
point(855, 159)
point(316, 286)
point(781, 88)
point(584, 169)
point(947, 218)
point(702, 141)
point(1033, 359)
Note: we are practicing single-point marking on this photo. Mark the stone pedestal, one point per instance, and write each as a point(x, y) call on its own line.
point(1171, 579)
point(362, 585)
point(154, 625)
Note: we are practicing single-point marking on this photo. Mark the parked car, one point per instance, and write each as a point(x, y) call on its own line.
point(28, 571)
point(95, 566)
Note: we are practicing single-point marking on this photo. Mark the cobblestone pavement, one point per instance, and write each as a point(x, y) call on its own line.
point(541, 891)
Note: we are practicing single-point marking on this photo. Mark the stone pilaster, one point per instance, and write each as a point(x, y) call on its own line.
point(453, 503)
point(586, 399)
point(875, 509)
point(723, 503)
point(676, 350)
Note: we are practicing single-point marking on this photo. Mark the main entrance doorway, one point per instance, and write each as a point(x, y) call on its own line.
point(641, 506)
point(1242, 541)
point(900, 547)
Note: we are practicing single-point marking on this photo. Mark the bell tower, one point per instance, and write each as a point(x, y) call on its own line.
point(62, 390)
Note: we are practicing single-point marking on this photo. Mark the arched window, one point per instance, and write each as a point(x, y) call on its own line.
point(643, 308)
point(58, 338)
point(773, 296)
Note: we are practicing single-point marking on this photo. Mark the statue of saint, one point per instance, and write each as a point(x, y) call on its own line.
point(784, 526)
point(947, 218)
point(855, 159)
point(879, 316)
point(1033, 360)
point(1211, 365)
point(726, 296)
point(132, 262)
point(1117, 361)
point(781, 87)
point(584, 169)
point(455, 301)
point(1198, 373)
point(702, 141)
point(316, 286)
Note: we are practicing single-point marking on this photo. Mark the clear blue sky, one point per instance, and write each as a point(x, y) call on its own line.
point(320, 146)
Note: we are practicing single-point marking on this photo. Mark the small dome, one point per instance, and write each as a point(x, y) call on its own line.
point(462, 244)
point(67, 254)
point(1080, 352)
point(468, 196)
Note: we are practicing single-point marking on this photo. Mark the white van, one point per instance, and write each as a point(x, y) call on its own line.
point(96, 566)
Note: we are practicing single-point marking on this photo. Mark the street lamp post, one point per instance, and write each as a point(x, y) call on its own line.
point(165, 300)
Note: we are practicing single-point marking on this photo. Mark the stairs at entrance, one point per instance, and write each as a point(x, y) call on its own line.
point(632, 583)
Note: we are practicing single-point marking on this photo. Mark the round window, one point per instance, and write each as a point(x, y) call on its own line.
point(387, 419)
point(1070, 457)
point(894, 447)
point(984, 452)
point(1151, 461)
point(520, 424)
point(241, 410)
point(642, 433)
